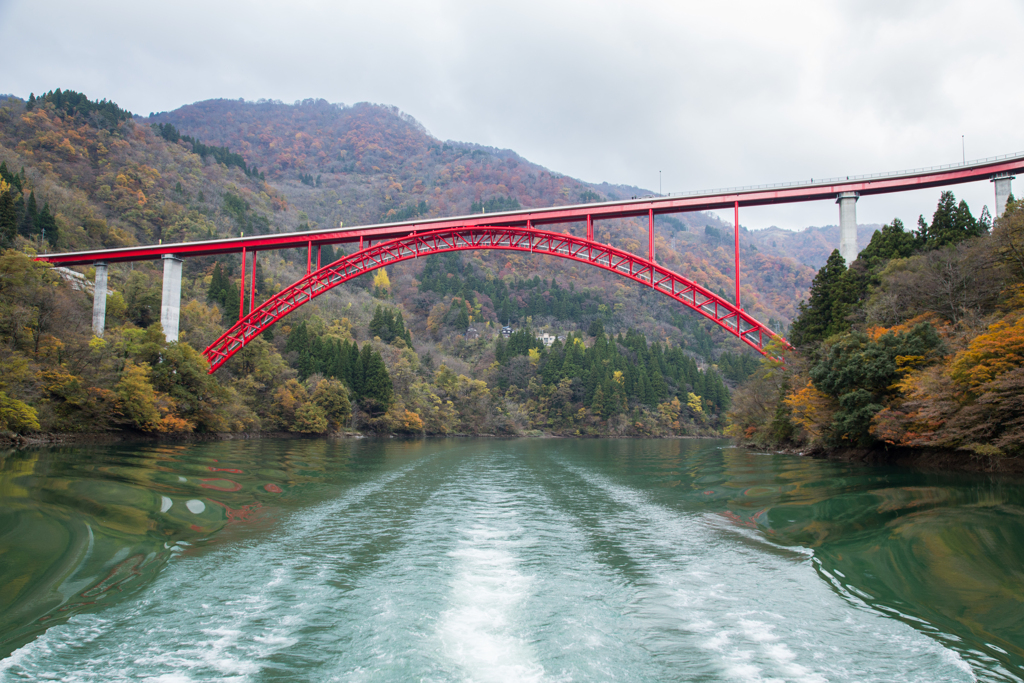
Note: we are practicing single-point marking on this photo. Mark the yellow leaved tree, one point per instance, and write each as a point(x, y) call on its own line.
point(381, 284)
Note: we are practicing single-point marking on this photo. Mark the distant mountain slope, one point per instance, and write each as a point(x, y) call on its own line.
point(810, 246)
point(379, 163)
point(112, 185)
point(370, 163)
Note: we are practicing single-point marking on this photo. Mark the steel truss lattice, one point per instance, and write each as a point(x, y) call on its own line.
point(636, 268)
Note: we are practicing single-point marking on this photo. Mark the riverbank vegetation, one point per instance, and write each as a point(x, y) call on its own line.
point(918, 343)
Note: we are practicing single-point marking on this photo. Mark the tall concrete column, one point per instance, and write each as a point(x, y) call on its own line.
point(1002, 183)
point(99, 300)
point(847, 202)
point(170, 304)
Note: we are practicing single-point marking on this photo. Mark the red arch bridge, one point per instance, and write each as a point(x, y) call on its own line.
point(381, 245)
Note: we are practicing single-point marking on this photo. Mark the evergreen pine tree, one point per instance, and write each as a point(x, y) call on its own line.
point(700, 383)
point(921, 238)
point(658, 359)
point(592, 383)
point(952, 223)
point(359, 371)
point(984, 221)
point(891, 242)
point(717, 395)
point(220, 289)
point(597, 403)
point(572, 366)
point(462, 316)
point(643, 387)
point(342, 370)
point(551, 372)
point(8, 221)
point(379, 325)
point(27, 224)
point(941, 229)
point(818, 312)
point(304, 365)
point(377, 387)
point(326, 252)
point(319, 353)
point(617, 402)
point(398, 329)
point(298, 340)
point(353, 365)
point(261, 281)
point(13, 179)
point(964, 223)
point(629, 374)
point(48, 226)
point(659, 388)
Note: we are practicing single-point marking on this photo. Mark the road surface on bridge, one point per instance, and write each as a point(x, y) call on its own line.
point(761, 195)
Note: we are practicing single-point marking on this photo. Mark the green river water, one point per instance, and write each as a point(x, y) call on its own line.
point(501, 560)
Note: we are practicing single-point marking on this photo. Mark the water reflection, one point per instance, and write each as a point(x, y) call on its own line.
point(79, 525)
point(942, 553)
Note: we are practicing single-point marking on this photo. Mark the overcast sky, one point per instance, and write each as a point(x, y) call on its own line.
point(712, 94)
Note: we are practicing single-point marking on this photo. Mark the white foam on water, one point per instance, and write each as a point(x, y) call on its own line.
point(488, 581)
point(221, 652)
point(219, 616)
point(165, 503)
point(24, 653)
point(478, 630)
point(739, 668)
point(697, 580)
point(718, 642)
point(954, 658)
point(757, 631)
point(779, 653)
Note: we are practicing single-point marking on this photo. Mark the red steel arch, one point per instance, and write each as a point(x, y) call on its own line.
point(641, 270)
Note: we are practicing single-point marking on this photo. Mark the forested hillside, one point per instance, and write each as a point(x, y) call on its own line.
point(415, 349)
point(368, 163)
point(918, 343)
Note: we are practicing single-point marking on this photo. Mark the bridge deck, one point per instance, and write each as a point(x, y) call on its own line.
point(696, 201)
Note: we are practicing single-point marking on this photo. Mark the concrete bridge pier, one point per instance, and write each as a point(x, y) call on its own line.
point(1002, 182)
point(99, 300)
point(170, 303)
point(847, 202)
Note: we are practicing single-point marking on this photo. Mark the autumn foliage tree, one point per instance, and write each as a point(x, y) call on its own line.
point(934, 352)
